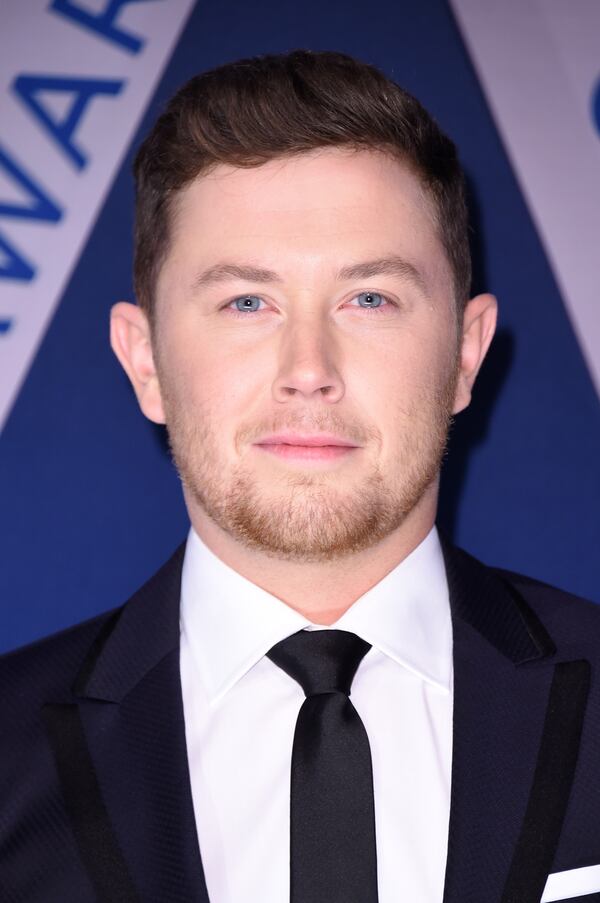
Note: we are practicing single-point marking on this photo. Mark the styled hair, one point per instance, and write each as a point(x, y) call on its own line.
point(255, 110)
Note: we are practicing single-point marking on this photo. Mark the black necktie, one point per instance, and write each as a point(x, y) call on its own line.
point(332, 821)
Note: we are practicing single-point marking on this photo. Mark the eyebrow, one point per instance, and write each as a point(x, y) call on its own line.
point(382, 266)
point(223, 272)
point(385, 266)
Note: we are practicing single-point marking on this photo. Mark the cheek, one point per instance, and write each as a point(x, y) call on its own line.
point(212, 382)
point(401, 361)
point(402, 380)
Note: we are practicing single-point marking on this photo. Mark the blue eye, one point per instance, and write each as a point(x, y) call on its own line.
point(370, 300)
point(366, 300)
point(247, 303)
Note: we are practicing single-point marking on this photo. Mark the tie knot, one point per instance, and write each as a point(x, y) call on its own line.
point(322, 661)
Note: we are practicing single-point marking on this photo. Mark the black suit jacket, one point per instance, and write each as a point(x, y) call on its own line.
point(95, 800)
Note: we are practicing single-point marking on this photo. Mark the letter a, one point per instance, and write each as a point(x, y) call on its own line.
point(83, 90)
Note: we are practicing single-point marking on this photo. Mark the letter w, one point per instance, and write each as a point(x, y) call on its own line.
point(40, 207)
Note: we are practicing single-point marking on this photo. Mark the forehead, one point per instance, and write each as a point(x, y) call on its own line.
point(312, 208)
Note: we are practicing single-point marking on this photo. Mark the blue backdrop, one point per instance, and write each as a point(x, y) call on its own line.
point(90, 502)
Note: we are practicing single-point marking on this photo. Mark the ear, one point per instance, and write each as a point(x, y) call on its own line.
point(130, 339)
point(479, 325)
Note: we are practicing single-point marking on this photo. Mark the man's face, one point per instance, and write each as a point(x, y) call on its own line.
point(306, 296)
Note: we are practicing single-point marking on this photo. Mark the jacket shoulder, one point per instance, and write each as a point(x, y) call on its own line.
point(50, 665)
point(47, 669)
point(571, 620)
point(545, 593)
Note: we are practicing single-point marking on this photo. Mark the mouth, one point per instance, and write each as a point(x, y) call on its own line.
point(316, 447)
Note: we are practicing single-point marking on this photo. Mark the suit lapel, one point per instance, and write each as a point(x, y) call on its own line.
point(517, 723)
point(120, 751)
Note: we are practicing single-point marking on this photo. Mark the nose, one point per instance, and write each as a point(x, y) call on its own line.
point(307, 367)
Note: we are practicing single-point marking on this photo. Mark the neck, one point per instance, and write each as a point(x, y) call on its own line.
point(320, 591)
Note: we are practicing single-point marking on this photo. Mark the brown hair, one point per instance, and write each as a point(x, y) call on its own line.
point(251, 111)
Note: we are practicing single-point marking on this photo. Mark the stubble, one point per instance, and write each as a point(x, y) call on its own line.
point(311, 516)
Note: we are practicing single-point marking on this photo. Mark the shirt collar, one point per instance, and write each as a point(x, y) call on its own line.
point(230, 623)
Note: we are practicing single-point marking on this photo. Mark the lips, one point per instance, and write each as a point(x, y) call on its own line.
point(318, 449)
point(308, 441)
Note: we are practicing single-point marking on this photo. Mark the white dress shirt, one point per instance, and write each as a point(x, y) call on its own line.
point(241, 710)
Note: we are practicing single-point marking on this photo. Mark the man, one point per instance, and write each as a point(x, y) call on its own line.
point(316, 698)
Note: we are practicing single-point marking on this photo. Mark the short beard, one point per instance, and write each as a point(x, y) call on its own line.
point(310, 517)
